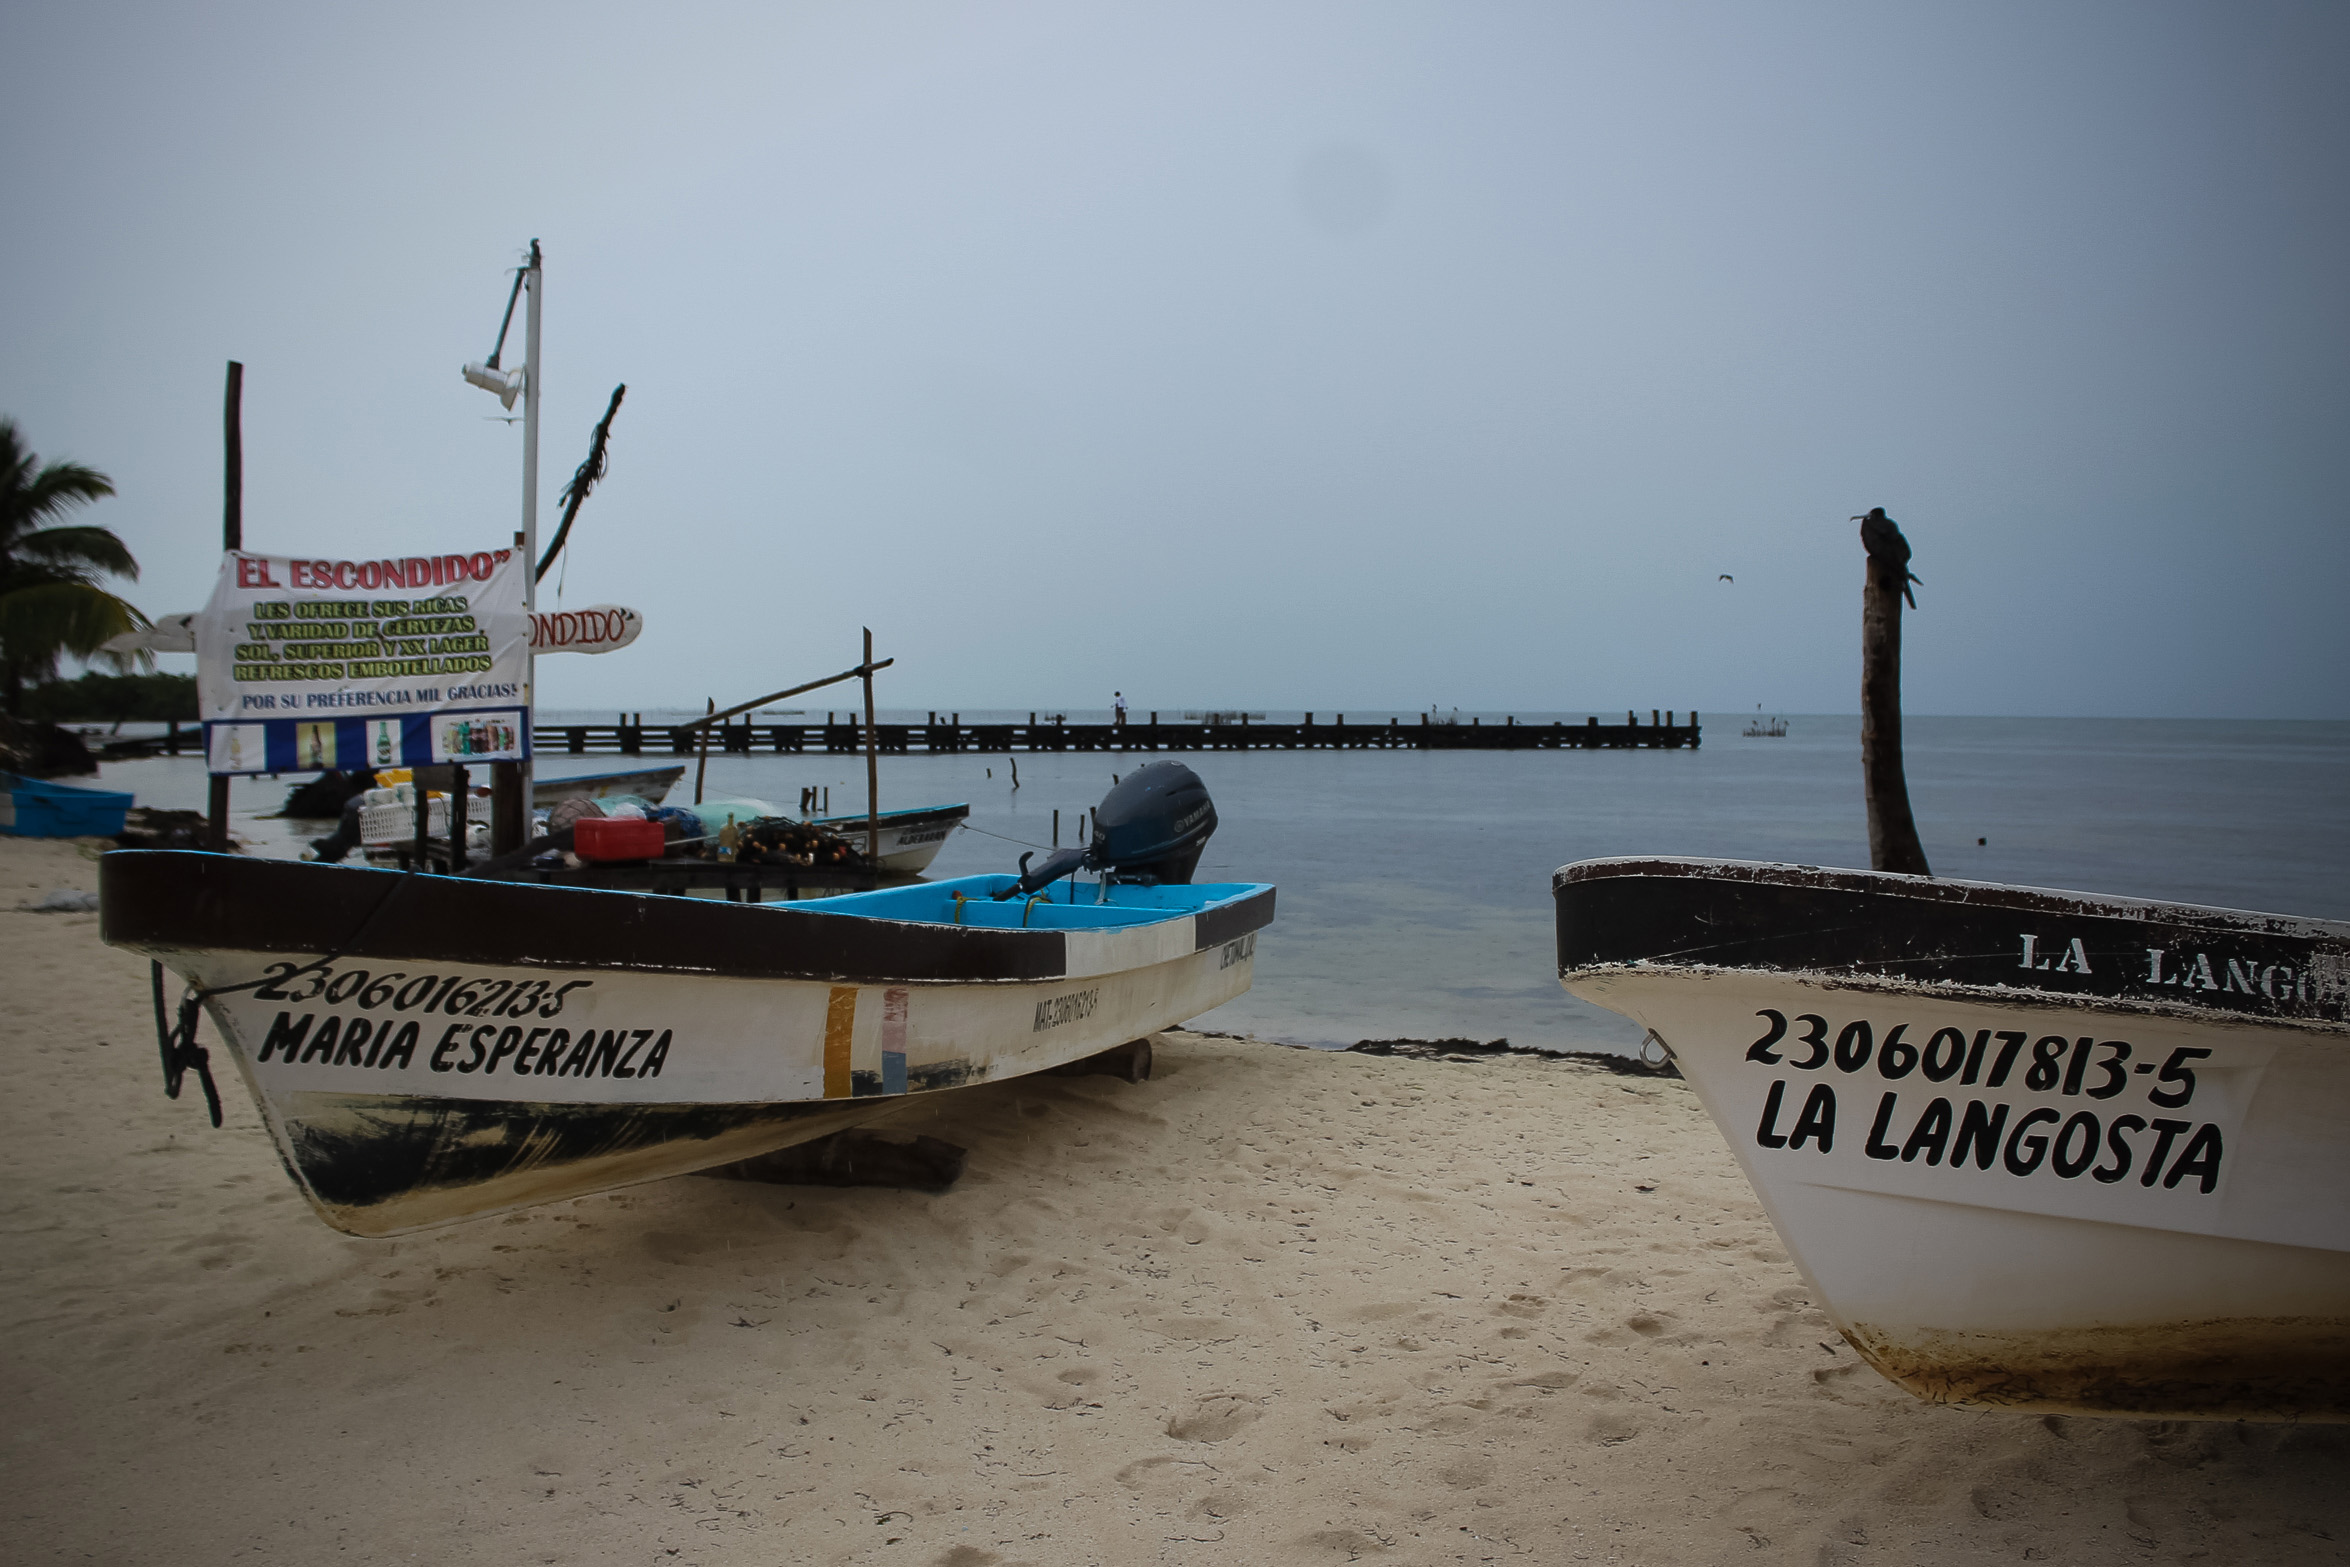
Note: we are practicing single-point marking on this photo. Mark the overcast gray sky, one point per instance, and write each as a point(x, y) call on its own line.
point(1296, 355)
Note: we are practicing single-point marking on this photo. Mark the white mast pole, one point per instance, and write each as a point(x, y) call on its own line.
point(535, 281)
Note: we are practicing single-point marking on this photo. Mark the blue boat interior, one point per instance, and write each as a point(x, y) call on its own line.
point(1066, 905)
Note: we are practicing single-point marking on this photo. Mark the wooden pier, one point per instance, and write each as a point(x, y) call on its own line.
point(1664, 731)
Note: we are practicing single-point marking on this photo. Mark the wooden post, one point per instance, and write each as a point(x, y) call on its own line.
point(872, 761)
point(232, 537)
point(509, 810)
point(1893, 833)
point(460, 793)
point(702, 766)
point(232, 512)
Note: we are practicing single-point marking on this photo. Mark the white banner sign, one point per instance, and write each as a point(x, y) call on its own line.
point(599, 628)
point(310, 664)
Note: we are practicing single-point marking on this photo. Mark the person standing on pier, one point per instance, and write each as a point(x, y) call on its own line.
point(1118, 708)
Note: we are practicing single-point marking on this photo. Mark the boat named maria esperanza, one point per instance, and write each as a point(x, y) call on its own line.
point(430, 1048)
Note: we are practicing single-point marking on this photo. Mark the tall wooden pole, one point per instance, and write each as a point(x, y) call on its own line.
point(232, 537)
point(535, 285)
point(1893, 833)
point(702, 757)
point(872, 763)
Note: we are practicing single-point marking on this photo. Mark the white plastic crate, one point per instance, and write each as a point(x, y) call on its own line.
point(396, 823)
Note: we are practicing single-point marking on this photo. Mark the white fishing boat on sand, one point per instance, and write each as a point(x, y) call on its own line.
point(2034, 1149)
point(430, 1048)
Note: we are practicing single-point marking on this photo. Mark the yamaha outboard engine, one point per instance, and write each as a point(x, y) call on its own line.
point(1153, 825)
point(1150, 828)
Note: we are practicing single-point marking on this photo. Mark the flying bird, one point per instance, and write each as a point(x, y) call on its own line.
point(1881, 536)
point(1726, 577)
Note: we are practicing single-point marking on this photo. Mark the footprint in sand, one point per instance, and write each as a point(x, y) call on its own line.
point(966, 1556)
point(1214, 1418)
point(1611, 1426)
point(1466, 1474)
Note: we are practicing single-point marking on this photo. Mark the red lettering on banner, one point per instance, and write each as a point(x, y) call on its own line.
point(370, 574)
point(253, 573)
point(481, 566)
point(346, 575)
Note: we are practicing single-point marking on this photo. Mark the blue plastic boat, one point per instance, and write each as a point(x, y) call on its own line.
point(37, 808)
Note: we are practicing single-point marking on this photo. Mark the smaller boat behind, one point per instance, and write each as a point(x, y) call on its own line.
point(910, 840)
point(646, 783)
point(38, 808)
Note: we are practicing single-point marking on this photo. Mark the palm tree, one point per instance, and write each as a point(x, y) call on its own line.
point(50, 600)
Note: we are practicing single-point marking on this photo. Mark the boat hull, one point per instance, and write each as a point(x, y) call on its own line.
point(466, 1048)
point(646, 783)
point(2064, 1191)
point(908, 840)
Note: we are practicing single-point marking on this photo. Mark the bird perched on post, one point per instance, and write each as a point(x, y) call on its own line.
point(1881, 536)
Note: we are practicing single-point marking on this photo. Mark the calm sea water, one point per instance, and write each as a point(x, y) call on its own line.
point(1415, 888)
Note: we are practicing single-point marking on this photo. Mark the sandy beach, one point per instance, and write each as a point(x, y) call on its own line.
point(1272, 1306)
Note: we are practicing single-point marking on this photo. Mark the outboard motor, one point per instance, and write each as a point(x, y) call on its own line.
point(1150, 828)
point(1153, 825)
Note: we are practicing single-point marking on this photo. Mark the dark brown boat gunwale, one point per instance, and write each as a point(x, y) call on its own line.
point(1933, 938)
point(161, 901)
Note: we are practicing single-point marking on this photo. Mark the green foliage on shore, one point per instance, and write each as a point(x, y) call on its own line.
point(51, 603)
point(97, 698)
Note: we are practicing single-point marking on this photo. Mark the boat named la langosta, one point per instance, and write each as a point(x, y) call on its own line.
point(2034, 1149)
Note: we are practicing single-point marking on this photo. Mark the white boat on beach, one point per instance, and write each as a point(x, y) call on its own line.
point(646, 783)
point(909, 840)
point(429, 1048)
point(2034, 1149)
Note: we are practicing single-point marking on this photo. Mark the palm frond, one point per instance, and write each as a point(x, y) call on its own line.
point(95, 547)
point(39, 623)
point(30, 495)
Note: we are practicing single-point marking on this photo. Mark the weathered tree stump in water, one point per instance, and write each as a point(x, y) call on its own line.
point(1893, 832)
point(856, 1157)
point(1131, 1061)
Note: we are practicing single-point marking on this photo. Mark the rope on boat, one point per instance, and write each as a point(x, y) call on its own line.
point(177, 1039)
point(984, 833)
